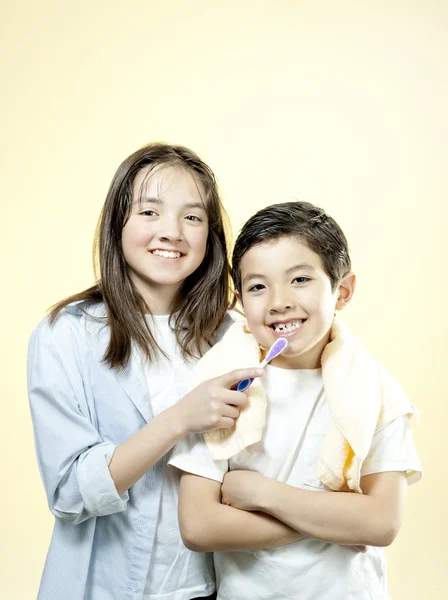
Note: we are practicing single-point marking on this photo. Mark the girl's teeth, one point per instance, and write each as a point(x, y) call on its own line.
point(167, 254)
point(287, 327)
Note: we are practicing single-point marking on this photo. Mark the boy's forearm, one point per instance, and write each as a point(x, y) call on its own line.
point(206, 525)
point(223, 528)
point(335, 517)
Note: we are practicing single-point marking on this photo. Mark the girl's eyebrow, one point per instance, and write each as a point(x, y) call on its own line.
point(159, 201)
point(192, 205)
point(149, 199)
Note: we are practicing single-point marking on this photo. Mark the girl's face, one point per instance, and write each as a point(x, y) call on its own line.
point(165, 238)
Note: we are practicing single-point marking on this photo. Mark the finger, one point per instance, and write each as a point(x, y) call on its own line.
point(228, 410)
point(234, 377)
point(233, 397)
point(226, 423)
point(359, 548)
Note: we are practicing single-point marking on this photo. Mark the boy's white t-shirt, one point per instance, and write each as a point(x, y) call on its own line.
point(297, 421)
point(175, 573)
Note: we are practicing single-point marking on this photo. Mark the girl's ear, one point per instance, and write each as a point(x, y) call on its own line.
point(345, 290)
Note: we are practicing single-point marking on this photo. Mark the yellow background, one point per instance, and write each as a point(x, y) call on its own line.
point(343, 104)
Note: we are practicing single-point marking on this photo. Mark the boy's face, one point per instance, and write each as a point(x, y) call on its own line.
point(286, 292)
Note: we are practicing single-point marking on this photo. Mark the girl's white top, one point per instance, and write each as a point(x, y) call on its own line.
point(175, 573)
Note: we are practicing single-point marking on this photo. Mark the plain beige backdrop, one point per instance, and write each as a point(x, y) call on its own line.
point(341, 103)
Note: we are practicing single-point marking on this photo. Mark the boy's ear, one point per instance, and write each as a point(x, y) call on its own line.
point(238, 297)
point(345, 291)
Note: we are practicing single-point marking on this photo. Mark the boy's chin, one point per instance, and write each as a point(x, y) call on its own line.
point(297, 361)
point(264, 339)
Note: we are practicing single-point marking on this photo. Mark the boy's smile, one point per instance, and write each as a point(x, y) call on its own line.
point(286, 292)
point(287, 328)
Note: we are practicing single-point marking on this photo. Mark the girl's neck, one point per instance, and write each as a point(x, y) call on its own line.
point(158, 300)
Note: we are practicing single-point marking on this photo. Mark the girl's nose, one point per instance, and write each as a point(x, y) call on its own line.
point(169, 229)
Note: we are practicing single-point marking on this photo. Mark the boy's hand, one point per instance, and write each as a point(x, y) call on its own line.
point(241, 489)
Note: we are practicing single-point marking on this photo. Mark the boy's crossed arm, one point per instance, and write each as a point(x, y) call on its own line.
point(206, 525)
point(372, 518)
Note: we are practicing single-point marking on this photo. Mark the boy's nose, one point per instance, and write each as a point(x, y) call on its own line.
point(280, 302)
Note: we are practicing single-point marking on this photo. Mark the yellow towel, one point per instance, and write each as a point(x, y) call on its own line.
point(236, 350)
point(362, 396)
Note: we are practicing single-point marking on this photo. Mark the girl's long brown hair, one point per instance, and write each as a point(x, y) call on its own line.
point(202, 301)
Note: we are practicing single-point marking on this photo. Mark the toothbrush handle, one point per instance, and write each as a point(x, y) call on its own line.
point(274, 351)
point(244, 385)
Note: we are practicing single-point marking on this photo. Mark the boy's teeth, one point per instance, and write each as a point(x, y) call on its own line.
point(286, 327)
point(167, 254)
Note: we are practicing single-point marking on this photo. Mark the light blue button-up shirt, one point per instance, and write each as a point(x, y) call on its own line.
point(81, 410)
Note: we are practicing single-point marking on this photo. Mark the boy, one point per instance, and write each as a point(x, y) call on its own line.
point(275, 529)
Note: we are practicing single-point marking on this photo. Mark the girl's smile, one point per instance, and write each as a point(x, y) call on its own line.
point(167, 254)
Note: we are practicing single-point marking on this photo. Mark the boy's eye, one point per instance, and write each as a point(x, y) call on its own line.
point(256, 288)
point(300, 279)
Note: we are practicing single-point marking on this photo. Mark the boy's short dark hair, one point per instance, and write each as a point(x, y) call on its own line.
point(311, 224)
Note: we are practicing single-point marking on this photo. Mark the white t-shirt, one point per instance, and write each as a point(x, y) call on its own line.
point(298, 420)
point(175, 573)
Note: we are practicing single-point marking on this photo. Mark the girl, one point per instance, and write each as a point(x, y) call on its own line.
point(108, 377)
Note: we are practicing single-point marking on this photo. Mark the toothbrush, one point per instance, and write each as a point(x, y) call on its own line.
point(276, 349)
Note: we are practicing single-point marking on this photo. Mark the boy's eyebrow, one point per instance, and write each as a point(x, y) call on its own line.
point(159, 201)
point(251, 276)
point(303, 266)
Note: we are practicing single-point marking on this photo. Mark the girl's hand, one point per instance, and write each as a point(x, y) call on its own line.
point(213, 404)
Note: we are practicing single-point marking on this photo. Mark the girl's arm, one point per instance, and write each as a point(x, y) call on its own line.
point(206, 525)
point(211, 405)
point(72, 455)
point(372, 518)
point(84, 474)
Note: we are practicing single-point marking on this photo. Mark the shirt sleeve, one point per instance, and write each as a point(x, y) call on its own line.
point(73, 458)
point(393, 449)
point(192, 456)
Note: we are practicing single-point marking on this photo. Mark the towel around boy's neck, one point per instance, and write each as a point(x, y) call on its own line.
point(361, 396)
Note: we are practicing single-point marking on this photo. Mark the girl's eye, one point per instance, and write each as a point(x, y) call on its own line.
point(256, 288)
point(148, 213)
point(193, 218)
point(301, 279)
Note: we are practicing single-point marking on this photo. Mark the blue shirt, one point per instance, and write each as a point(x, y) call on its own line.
point(81, 410)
